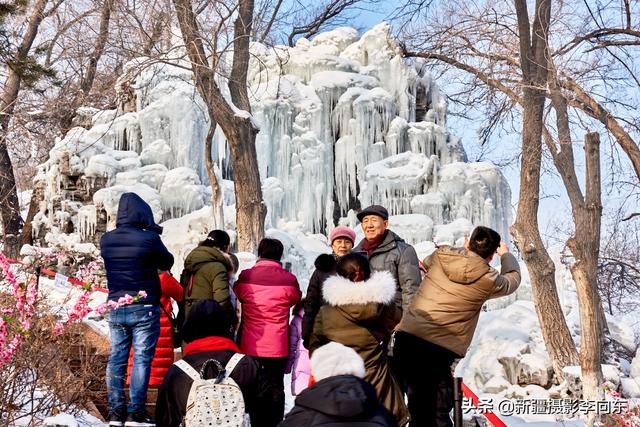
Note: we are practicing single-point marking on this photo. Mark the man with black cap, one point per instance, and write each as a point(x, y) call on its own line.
point(387, 251)
point(206, 333)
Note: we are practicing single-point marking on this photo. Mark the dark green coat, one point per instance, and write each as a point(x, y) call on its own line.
point(362, 316)
point(210, 270)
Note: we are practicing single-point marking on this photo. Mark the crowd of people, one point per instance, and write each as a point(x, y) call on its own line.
point(372, 343)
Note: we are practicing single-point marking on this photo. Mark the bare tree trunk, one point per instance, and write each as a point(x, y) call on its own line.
point(525, 230)
point(216, 189)
point(585, 247)
point(34, 205)
point(88, 77)
point(585, 243)
point(250, 209)
point(9, 205)
point(103, 34)
point(237, 126)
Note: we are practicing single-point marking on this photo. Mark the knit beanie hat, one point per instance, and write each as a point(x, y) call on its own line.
point(206, 319)
point(344, 232)
point(336, 359)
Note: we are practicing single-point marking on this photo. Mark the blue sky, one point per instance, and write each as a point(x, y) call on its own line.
point(555, 210)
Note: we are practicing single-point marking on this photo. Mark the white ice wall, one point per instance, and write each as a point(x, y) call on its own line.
point(344, 122)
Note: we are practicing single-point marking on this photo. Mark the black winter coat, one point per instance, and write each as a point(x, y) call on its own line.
point(343, 400)
point(133, 252)
point(171, 405)
point(325, 266)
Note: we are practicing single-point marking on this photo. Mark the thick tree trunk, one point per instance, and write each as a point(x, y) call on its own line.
point(526, 233)
point(236, 125)
point(250, 209)
point(216, 189)
point(9, 205)
point(86, 82)
point(585, 244)
point(34, 205)
point(585, 247)
point(533, 48)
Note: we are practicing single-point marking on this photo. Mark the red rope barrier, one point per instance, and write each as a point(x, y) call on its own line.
point(493, 418)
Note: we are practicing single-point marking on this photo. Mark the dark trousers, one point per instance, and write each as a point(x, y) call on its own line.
point(426, 371)
point(270, 402)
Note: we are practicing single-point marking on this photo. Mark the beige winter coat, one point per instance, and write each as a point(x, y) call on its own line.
point(447, 305)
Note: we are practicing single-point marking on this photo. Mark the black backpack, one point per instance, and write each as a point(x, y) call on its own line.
point(186, 281)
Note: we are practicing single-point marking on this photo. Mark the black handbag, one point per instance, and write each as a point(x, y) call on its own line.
point(176, 328)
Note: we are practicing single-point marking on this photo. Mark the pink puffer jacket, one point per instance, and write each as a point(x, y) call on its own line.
point(298, 364)
point(267, 292)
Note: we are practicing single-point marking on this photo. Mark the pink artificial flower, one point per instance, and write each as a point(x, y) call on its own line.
point(127, 299)
point(102, 308)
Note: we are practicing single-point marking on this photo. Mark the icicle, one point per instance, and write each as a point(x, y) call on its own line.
point(87, 220)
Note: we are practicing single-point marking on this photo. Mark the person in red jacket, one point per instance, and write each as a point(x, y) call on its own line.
point(163, 357)
point(267, 292)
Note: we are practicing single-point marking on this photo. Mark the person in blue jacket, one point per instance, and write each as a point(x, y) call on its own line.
point(133, 253)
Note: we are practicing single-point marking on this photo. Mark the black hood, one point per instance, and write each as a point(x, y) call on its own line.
point(342, 396)
point(134, 211)
point(326, 263)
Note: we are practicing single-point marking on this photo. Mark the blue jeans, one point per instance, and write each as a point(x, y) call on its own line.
point(138, 324)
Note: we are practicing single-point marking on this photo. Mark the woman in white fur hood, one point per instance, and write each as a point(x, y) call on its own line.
point(359, 312)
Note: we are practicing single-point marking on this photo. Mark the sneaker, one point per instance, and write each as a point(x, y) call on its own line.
point(116, 419)
point(139, 420)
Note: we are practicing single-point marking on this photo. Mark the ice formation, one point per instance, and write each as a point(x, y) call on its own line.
point(344, 122)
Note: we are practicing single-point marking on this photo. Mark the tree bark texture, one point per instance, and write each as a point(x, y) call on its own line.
point(525, 230)
point(585, 243)
point(216, 189)
point(9, 205)
point(585, 246)
point(236, 126)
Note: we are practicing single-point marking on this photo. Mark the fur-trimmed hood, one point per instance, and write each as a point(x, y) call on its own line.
point(380, 288)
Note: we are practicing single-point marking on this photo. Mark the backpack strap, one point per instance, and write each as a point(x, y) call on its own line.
point(188, 369)
point(231, 364)
point(190, 287)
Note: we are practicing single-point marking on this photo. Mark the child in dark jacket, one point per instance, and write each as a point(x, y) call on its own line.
point(340, 396)
point(207, 335)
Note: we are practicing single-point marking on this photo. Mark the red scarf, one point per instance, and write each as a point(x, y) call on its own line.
point(372, 245)
point(210, 344)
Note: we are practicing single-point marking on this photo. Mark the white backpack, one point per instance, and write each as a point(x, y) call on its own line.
point(217, 401)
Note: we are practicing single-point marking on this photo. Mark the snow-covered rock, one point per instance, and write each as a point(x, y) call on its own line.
point(61, 420)
point(181, 192)
point(535, 369)
point(156, 152)
point(634, 371)
point(573, 378)
point(630, 387)
point(623, 334)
